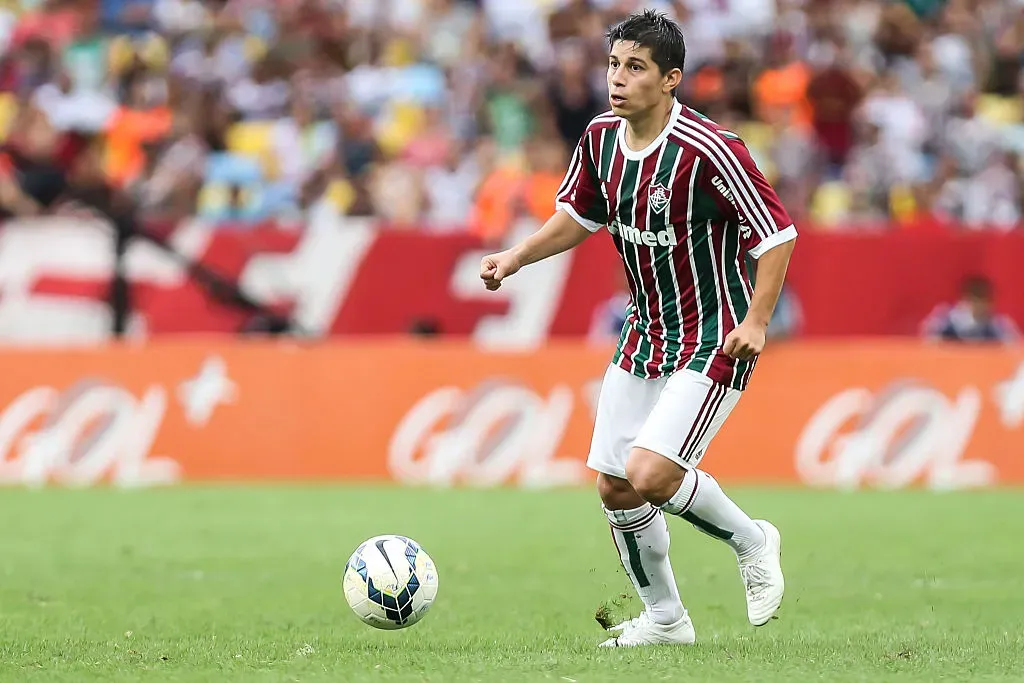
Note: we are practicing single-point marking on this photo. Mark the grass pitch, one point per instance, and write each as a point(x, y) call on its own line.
point(243, 584)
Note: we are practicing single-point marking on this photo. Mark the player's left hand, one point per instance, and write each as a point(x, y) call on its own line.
point(745, 341)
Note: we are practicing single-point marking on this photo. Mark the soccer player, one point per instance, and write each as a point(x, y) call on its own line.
point(684, 204)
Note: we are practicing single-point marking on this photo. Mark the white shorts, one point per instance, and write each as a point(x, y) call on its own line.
point(674, 416)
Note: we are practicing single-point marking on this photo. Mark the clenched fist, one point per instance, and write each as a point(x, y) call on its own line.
point(745, 342)
point(496, 267)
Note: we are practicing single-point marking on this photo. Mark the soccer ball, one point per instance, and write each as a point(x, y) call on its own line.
point(390, 582)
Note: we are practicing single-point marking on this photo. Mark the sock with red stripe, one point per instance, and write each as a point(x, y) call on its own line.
point(703, 503)
point(641, 536)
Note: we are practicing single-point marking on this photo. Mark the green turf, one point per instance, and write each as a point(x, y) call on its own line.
point(243, 584)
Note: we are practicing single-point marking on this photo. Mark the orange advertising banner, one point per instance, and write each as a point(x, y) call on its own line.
point(845, 415)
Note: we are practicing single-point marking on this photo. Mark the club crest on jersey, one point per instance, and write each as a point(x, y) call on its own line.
point(659, 196)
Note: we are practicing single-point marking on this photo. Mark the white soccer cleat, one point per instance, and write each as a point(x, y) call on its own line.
point(762, 577)
point(642, 631)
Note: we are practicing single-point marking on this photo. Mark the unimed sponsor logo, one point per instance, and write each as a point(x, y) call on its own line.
point(724, 190)
point(649, 238)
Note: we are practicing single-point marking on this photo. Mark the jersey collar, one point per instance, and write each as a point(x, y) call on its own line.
point(646, 151)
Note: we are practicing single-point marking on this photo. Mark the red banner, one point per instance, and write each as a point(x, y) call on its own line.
point(347, 277)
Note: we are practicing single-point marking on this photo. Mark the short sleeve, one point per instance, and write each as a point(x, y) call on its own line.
point(749, 198)
point(580, 194)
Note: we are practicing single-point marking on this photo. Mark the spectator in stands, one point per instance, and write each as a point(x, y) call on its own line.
point(930, 89)
point(795, 157)
point(494, 203)
point(871, 172)
point(300, 144)
point(55, 22)
point(27, 67)
point(574, 101)
point(144, 118)
point(450, 187)
point(170, 188)
point(902, 126)
point(780, 91)
point(74, 108)
point(972, 319)
point(987, 199)
point(834, 94)
point(856, 108)
point(546, 160)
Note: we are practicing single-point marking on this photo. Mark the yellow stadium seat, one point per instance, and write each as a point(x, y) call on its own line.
point(831, 203)
point(404, 120)
point(8, 112)
point(255, 48)
point(999, 110)
point(253, 139)
point(341, 194)
point(213, 198)
point(759, 139)
point(399, 52)
point(756, 134)
point(902, 203)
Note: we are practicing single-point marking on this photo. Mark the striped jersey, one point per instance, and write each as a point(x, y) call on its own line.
point(683, 214)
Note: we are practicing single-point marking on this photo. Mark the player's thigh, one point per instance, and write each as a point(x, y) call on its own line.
point(688, 414)
point(623, 405)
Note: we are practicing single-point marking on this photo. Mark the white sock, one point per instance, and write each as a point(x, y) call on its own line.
point(641, 536)
point(703, 503)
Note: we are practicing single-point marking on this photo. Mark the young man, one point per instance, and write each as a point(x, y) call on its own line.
point(684, 204)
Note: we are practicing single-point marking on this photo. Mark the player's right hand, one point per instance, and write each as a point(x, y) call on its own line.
point(496, 267)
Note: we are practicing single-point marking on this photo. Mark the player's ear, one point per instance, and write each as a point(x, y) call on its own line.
point(672, 80)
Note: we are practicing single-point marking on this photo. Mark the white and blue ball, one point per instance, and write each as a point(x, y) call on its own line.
point(390, 582)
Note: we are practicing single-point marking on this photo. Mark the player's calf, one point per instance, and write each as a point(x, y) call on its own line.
point(641, 538)
point(696, 497)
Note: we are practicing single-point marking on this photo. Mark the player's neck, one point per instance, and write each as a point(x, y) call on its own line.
point(642, 129)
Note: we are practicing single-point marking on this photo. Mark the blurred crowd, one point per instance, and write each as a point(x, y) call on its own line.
point(458, 115)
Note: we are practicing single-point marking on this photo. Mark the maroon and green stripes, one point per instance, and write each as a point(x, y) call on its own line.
point(652, 346)
point(666, 277)
point(607, 151)
point(701, 262)
point(638, 351)
point(737, 295)
point(686, 296)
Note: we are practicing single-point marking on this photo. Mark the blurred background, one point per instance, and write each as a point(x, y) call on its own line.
point(316, 169)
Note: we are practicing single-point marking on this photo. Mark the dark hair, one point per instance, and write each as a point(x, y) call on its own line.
point(655, 31)
point(977, 287)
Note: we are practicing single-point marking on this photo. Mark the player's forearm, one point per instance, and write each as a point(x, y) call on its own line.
point(771, 274)
point(560, 233)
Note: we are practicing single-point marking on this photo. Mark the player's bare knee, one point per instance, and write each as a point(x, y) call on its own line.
point(653, 476)
point(617, 494)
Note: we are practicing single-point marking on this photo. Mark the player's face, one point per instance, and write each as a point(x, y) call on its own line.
point(635, 83)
